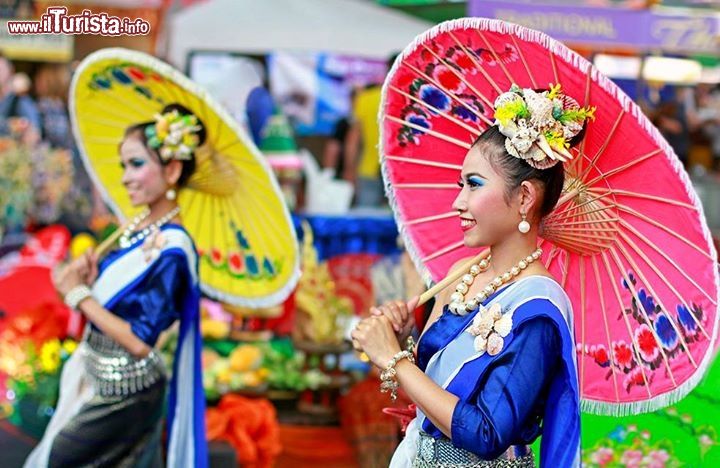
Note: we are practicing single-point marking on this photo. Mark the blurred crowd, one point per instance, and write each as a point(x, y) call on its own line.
point(690, 122)
point(34, 117)
point(43, 178)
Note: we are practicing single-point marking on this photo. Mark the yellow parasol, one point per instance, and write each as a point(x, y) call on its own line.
point(232, 205)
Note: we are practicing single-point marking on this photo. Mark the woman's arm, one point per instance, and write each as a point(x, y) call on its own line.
point(437, 403)
point(113, 326)
point(504, 399)
point(157, 298)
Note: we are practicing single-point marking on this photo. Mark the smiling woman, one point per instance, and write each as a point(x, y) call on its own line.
point(507, 306)
point(498, 347)
point(138, 291)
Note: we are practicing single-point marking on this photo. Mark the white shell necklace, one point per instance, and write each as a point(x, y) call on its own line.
point(459, 306)
point(127, 239)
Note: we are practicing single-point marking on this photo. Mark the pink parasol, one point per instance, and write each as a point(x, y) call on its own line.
point(628, 239)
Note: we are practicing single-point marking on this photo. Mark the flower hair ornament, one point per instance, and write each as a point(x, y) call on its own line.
point(539, 125)
point(173, 135)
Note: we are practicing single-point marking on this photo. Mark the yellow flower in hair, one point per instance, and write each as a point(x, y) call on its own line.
point(554, 91)
point(510, 111)
point(162, 126)
point(190, 139)
point(556, 140)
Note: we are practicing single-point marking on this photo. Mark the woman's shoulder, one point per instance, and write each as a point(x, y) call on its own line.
point(541, 296)
point(541, 292)
point(177, 237)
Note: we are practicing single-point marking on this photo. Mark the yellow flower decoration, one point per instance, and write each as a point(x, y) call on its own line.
point(173, 135)
point(50, 356)
point(69, 346)
point(554, 91)
point(510, 111)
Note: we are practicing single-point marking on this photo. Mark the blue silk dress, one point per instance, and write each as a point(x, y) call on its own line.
point(150, 290)
point(506, 401)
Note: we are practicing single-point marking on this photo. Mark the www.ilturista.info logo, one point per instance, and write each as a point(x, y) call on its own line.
point(56, 21)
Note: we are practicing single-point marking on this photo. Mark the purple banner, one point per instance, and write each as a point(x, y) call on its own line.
point(641, 29)
point(685, 33)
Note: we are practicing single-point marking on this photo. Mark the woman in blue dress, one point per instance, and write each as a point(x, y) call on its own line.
point(112, 395)
point(494, 367)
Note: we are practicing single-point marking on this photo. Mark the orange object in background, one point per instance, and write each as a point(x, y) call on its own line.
point(315, 446)
point(250, 426)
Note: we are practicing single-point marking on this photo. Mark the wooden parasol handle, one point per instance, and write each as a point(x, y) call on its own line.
point(109, 241)
point(452, 277)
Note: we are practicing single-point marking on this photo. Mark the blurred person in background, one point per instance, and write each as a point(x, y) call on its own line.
point(259, 107)
point(334, 154)
point(671, 118)
point(362, 166)
point(19, 111)
point(6, 72)
point(52, 83)
point(51, 88)
point(707, 117)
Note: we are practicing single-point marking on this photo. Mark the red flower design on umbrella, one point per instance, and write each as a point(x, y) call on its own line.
point(635, 377)
point(622, 355)
point(448, 79)
point(647, 344)
point(236, 263)
point(216, 256)
point(600, 354)
point(465, 62)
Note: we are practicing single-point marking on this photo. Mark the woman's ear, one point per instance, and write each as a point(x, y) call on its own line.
point(529, 194)
point(172, 171)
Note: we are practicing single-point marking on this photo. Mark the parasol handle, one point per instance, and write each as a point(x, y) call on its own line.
point(452, 277)
point(105, 245)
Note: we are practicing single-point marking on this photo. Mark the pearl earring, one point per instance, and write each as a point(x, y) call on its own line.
point(171, 194)
point(524, 226)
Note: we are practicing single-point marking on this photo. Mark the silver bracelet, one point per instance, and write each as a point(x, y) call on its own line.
point(388, 381)
point(76, 295)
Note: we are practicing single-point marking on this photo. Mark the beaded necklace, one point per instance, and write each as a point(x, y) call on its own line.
point(458, 304)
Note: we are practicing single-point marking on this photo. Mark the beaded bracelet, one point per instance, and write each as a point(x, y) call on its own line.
point(76, 295)
point(410, 344)
point(388, 381)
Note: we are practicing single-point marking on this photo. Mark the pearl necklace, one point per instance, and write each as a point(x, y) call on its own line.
point(125, 238)
point(459, 306)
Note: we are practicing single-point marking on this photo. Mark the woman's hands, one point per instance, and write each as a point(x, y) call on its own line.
point(400, 315)
point(388, 325)
point(82, 270)
point(375, 336)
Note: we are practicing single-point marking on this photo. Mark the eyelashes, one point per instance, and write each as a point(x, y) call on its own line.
point(473, 182)
point(133, 163)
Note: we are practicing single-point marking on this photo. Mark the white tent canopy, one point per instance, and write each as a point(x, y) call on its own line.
point(351, 27)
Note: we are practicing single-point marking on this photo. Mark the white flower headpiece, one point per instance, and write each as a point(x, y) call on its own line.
point(173, 135)
point(539, 125)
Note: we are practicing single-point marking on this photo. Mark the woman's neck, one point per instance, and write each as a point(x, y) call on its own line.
point(158, 209)
point(507, 253)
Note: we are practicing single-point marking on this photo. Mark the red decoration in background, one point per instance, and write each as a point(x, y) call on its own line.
point(351, 273)
point(31, 307)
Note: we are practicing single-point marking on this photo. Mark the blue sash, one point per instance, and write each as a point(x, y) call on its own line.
point(187, 445)
point(457, 367)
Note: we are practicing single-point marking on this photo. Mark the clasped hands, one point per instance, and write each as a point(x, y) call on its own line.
point(379, 335)
point(82, 270)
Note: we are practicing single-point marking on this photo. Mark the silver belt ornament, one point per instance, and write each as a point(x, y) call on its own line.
point(441, 453)
point(114, 372)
